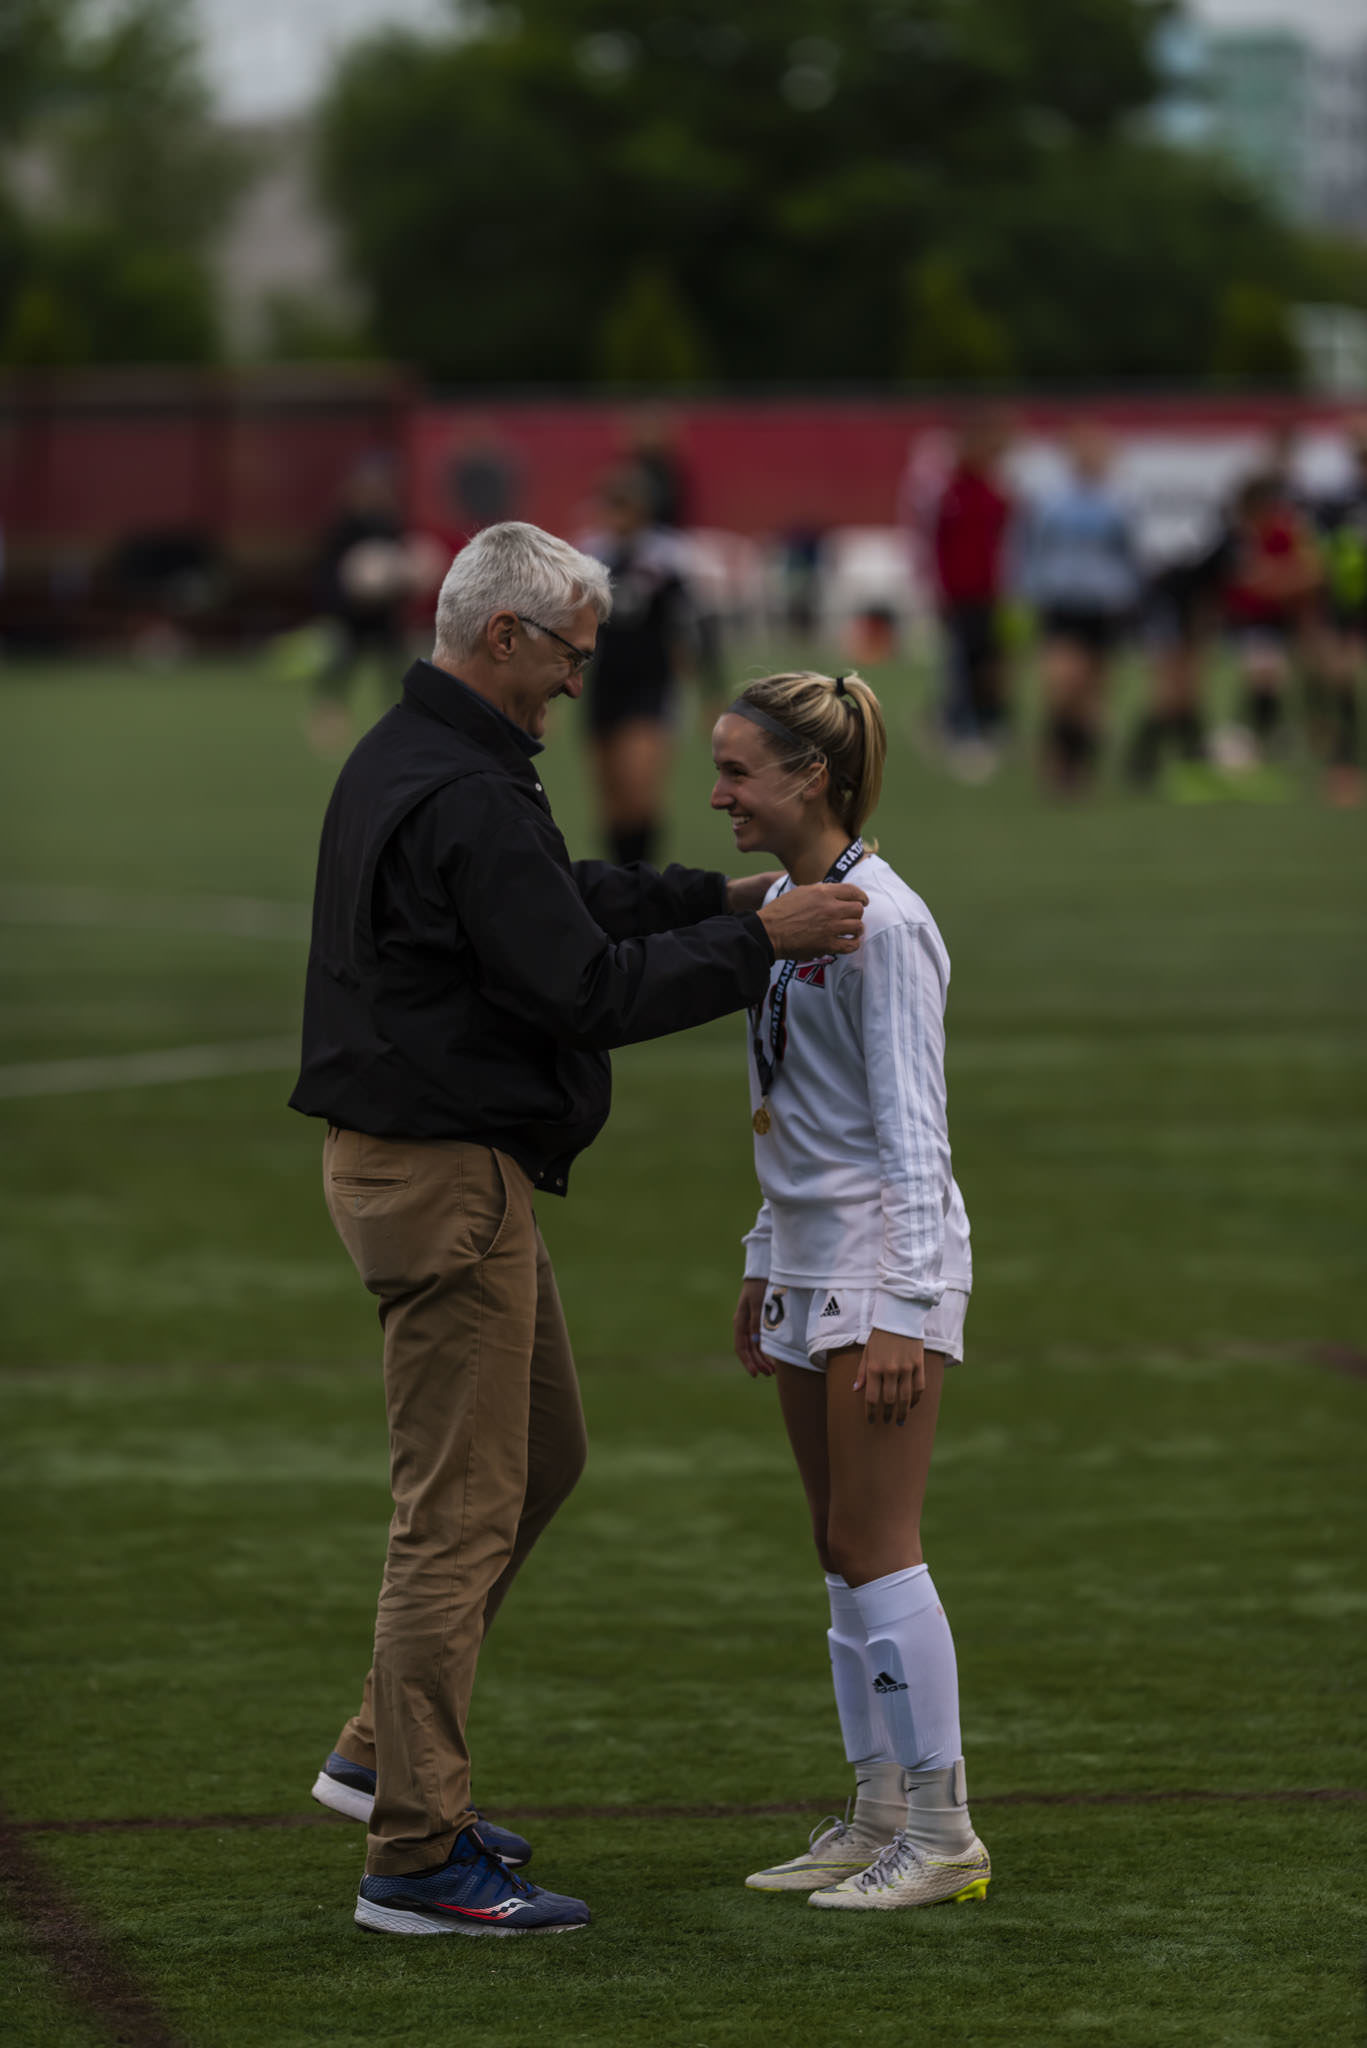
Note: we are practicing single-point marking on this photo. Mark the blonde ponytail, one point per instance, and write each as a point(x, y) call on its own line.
point(835, 722)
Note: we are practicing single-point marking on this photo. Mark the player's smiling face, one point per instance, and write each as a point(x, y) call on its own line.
point(752, 786)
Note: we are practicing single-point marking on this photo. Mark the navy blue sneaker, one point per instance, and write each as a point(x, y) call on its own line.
point(471, 1893)
point(350, 1789)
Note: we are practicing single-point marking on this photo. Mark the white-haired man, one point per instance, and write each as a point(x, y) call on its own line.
point(466, 981)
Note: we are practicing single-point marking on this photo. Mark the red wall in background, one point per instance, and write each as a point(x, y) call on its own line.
point(761, 466)
point(256, 460)
point(259, 458)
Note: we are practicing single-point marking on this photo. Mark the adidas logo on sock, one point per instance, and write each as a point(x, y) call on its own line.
point(885, 1682)
point(832, 1307)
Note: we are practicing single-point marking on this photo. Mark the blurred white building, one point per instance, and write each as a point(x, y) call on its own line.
point(1293, 116)
point(267, 59)
point(280, 249)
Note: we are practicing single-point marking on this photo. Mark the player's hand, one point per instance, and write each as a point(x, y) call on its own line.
point(892, 1373)
point(745, 1329)
point(747, 892)
point(814, 921)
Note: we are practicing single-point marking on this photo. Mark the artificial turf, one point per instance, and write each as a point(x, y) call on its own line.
point(1144, 1514)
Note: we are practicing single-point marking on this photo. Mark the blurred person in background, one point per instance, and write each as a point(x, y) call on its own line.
point(1270, 594)
point(483, 480)
point(800, 579)
point(1186, 565)
point(1079, 568)
point(857, 1277)
point(364, 581)
point(655, 458)
point(1343, 540)
point(631, 688)
point(465, 983)
point(168, 580)
point(969, 530)
point(653, 453)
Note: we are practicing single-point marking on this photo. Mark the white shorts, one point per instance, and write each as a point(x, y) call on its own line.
point(801, 1325)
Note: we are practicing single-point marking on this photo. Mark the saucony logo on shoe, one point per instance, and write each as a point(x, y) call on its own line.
point(885, 1682)
point(501, 1911)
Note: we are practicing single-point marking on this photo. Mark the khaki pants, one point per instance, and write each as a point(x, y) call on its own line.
point(486, 1439)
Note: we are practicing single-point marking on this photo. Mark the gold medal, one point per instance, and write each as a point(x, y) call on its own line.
point(761, 1120)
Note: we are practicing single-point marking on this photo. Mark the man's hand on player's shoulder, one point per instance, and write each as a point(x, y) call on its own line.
point(747, 892)
point(817, 919)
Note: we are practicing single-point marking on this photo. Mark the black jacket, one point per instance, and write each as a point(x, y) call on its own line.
point(465, 978)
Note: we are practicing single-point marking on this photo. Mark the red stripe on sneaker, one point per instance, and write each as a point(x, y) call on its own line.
point(479, 1912)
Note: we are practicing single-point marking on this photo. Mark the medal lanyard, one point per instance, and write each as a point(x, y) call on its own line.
point(767, 1063)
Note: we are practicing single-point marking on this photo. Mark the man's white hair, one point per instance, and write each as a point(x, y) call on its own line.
point(514, 567)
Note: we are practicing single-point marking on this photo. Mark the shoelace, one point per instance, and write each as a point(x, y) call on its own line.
point(900, 1856)
point(501, 1870)
point(832, 1824)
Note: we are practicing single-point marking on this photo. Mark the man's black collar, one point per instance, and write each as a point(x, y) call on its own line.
point(457, 705)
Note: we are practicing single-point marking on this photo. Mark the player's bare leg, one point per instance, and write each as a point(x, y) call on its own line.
point(631, 765)
point(837, 1848)
point(802, 1398)
point(877, 1474)
point(1173, 720)
point(1266, 671)
point(879, 1466)
point(1344, 667)
point(1073, 679)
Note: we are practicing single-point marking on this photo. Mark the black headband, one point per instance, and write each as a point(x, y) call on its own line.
point(742, 708)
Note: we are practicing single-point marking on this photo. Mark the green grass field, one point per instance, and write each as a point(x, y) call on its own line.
point(1145, 1518)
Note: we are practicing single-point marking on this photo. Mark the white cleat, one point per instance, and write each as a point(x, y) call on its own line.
point(836, 1849)
point(904, 1875)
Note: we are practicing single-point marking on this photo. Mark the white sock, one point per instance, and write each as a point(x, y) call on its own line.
point(862, 1725)
point(910, 1655)
point(937, 1811)
point(880, 1795)
point(912, 1669)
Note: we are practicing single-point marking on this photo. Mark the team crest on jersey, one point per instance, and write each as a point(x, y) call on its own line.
point(813, 972)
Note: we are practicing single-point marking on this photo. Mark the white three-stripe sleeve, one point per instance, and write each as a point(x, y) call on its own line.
point(757, 1242)
point(902, 1020)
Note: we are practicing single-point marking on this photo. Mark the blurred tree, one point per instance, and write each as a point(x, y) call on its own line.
point(139, 149)
point(649, 335)
point(115, 184)
point(42, 331)
point(1113, 260)
point(1254, 343)
point(949, 337)
point(33, 36)
point(947, 188)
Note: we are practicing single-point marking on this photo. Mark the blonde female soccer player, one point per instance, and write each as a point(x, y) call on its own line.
point(857, 1276)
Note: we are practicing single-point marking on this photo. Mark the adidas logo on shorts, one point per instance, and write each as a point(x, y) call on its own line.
point(885, 1682)
point(832, 1308)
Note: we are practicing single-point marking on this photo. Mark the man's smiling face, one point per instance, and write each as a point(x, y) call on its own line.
point(539, 665)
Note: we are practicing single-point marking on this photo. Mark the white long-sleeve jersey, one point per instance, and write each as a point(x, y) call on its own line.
point(855, 1167)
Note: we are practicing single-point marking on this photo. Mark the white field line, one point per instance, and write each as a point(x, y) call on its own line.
point(149, 1069)
point(967, 1053)
point(277, 1055)
point(237, 917)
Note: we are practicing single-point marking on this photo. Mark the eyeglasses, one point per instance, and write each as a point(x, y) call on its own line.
point(579, 656)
